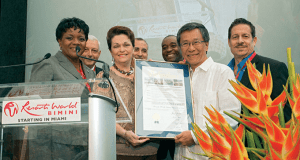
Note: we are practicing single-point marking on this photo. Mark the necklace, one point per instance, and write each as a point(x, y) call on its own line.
point(124, 72)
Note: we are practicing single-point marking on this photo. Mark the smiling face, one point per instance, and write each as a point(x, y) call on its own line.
point(170, 50)
point(241, 42)
point(140, 50)
point(121, 49)
point(91, 51)
point(194, 54)
point(70, 39)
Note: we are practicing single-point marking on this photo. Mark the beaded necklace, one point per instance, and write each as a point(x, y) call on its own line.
point(124, 72)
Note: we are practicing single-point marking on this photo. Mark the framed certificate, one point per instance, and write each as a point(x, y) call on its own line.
point(163, 99)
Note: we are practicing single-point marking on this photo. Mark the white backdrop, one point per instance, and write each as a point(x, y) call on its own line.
point(277, 24)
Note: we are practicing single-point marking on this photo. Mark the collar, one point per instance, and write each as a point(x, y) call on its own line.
point(241, 64)
point(206, 64)
point(94, 68)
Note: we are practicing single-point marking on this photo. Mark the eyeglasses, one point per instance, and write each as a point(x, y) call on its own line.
point(194, 43)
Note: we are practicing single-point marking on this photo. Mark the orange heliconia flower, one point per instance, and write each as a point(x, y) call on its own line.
point(281, 140)
point(294, 99)
point(226, 144)
point(258, 101)
point(203, 139)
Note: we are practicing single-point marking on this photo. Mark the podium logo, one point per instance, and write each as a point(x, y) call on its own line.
point(11, 108)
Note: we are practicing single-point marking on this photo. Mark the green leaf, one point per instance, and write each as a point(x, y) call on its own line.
point(261, 152)
point(245, 110)
point(281, 116)
point(251, 144)
point(257, 141)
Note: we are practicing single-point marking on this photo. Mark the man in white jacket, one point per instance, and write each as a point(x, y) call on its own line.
point(209, 85)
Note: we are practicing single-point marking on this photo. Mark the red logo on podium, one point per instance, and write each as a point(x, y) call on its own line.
point(12, 108)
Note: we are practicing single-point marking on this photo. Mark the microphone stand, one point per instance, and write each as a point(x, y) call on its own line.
point(105, 68)
point(48, 55)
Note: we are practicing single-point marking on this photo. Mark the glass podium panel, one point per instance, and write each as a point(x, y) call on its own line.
point(51, 120)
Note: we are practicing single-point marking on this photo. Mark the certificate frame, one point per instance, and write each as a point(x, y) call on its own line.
point(146, 107)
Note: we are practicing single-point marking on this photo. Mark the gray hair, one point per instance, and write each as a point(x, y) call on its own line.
point(93, 38)
point(141, 39)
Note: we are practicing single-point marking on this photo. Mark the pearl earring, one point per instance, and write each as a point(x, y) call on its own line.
point(113, 60)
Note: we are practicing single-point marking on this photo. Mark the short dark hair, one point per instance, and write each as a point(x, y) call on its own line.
point(241, 21)
point(191, 26)
point(141, 39)
point(67, 23)
point(170, 35)
point(117, 30)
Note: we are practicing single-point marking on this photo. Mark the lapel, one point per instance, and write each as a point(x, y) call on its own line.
point(88, 72)
point(98, 70)
point(67, 65)
point(245, 79)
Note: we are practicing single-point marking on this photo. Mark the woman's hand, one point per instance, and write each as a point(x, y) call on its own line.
point(129, 136)
point(133, 139)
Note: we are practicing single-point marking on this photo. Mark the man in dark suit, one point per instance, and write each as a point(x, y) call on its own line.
point(241, 40)
point(92, 50)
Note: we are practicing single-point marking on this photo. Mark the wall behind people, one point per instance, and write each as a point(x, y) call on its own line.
point(12, 40)
point(277, 23)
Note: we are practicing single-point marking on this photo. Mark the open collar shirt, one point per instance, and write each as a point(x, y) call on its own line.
point(241, 69)
point(210, 87)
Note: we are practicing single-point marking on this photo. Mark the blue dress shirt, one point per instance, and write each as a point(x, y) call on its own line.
point(240, 70)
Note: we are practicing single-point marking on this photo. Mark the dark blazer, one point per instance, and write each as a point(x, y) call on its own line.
point(279, 74)
point(98, 70)
point(58, 68)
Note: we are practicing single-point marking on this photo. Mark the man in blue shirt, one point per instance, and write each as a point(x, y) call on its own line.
point(241, 40)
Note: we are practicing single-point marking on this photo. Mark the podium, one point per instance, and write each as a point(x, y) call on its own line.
point(58, 120)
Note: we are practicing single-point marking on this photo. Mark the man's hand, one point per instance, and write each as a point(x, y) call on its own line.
point(182, 62)
point(185, 138)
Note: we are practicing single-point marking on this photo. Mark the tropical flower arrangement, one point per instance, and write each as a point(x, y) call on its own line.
point(264, 129)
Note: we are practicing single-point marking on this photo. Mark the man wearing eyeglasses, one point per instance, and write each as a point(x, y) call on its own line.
point(92, 50)
point(209, 85)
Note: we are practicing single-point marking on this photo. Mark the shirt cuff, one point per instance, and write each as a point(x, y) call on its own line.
point(194, 138)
